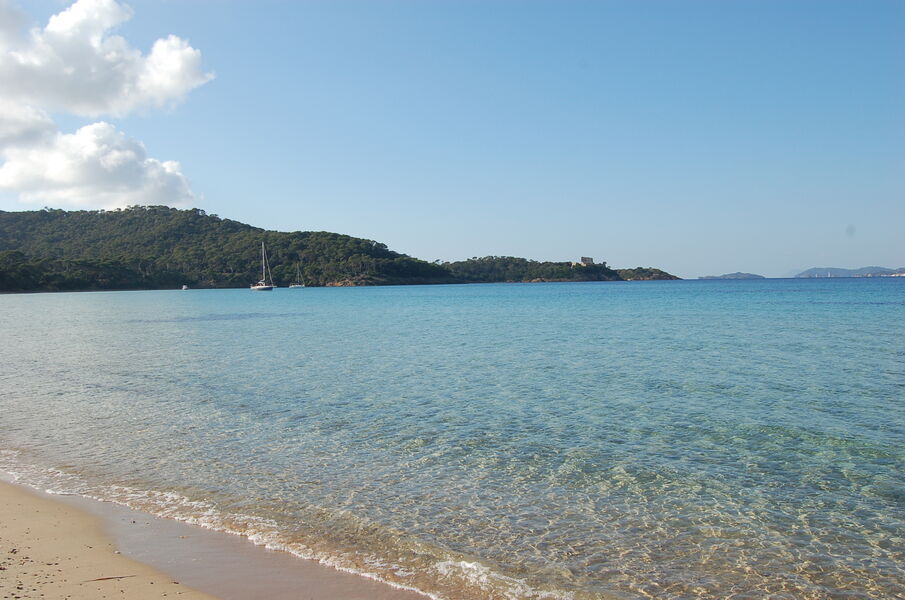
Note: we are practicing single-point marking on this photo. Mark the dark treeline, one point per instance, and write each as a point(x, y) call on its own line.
point(510, 268)
point(157, 247)
point(644, 273)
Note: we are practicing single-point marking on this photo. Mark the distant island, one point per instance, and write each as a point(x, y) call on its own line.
point(734, 276)
point(823, 272)
point(158, 247)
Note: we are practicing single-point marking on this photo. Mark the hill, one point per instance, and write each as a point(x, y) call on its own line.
point(862, 272)
point(645, 274)
point(513, 269)
point(157, 247)
point(737, 275)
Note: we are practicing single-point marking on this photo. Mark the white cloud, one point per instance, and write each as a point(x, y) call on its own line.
point(22, 125)
point(95, 167)
point(76, 65)
point(12, 22)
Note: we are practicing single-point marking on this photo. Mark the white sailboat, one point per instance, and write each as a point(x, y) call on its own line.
point(263, 286)
point(298, 277)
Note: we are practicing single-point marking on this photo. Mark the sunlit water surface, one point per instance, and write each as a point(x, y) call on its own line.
point(701, 439)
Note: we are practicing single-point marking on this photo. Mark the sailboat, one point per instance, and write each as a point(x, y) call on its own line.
point(298, 277)
point(263, 286)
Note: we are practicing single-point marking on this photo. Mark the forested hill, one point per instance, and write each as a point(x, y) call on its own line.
point(157, 247)
point(645, 274)
point(510, 268)
point(161, 247)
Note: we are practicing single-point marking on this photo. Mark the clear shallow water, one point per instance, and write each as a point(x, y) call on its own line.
point(597, 440)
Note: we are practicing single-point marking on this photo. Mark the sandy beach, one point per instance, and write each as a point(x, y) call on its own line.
point(70, 547)
point(51, 550)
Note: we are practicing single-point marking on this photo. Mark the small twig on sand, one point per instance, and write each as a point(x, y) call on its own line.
point(114, 577)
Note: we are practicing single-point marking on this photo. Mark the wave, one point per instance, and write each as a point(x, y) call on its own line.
point(436, 574)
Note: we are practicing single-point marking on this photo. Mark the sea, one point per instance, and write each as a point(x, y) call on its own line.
point(600, 440)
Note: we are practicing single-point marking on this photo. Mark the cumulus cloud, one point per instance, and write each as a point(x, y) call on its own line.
point(22, 125)
point(76, 65)
point(12, 22)
point(96, 166)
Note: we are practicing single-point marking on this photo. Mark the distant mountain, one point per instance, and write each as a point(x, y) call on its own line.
point(862, 272)
point(734, 276)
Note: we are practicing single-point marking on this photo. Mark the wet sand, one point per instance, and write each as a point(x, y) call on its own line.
point(51, 550)
point(69, 547)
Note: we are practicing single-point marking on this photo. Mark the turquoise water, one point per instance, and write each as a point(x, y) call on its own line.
point(699, 439)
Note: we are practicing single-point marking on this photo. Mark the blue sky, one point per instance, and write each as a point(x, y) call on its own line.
point(698, 137)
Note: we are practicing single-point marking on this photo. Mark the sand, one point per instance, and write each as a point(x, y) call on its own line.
point(68, 547)
point(53, 551)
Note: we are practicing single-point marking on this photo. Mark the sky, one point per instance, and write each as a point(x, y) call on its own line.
point(699, 137)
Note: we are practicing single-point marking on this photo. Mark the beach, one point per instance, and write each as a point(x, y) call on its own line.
point(51, 550)
point(78, 548)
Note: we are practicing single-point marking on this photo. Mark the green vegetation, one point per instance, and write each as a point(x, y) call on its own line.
point(510, 268)
point(21, 274)
point(157, 247)
point(645, 273)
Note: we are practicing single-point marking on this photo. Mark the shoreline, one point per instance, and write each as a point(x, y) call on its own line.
point(457, 283)
point(51, 550)
point(71, 547)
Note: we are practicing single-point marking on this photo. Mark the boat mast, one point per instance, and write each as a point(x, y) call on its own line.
point(263, 255)
point(267, 265)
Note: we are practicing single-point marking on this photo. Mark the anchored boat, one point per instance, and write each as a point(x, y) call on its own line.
point(263, 286)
